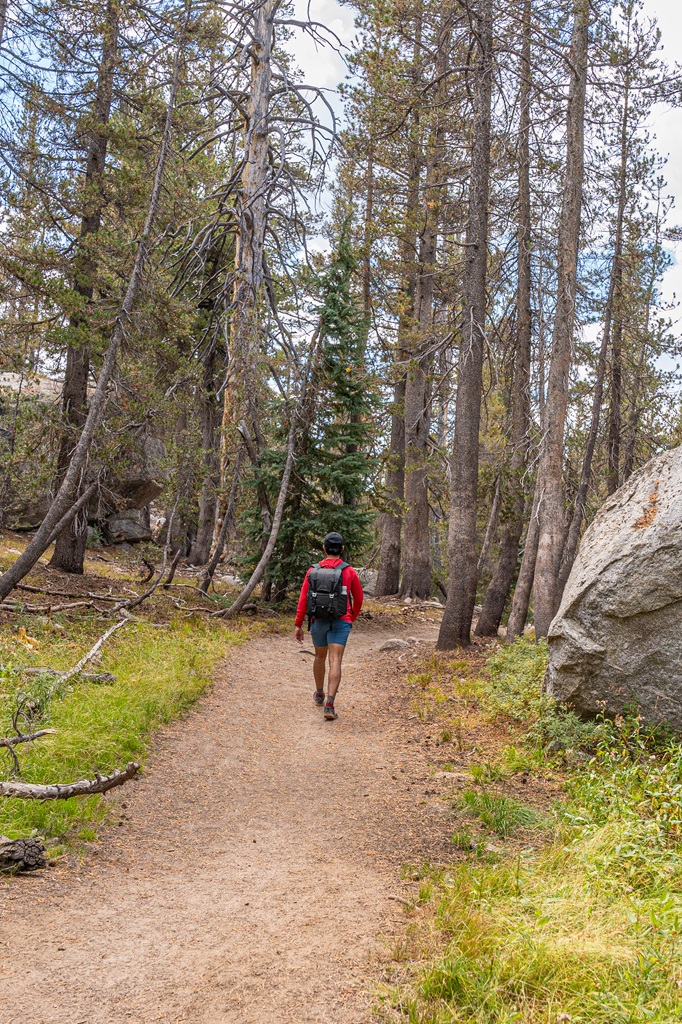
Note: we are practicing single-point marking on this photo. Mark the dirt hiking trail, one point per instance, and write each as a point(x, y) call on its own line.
point(249, 877)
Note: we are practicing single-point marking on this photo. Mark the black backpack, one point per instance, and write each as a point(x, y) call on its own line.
point(327, 597)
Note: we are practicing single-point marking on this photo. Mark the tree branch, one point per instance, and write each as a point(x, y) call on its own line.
point(63, 791)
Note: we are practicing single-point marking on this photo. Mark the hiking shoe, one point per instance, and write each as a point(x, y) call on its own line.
point(329, 712)
point(318, 697)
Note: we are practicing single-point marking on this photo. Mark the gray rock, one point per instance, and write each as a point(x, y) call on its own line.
point(394, 644)
point(126, 528)
point(368, 578)
point(143, 475)
point(615, 641)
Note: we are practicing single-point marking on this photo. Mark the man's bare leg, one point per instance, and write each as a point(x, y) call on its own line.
point(335, 659)
point(319, 666)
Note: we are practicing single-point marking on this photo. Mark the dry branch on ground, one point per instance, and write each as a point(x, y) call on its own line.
point(64, 791)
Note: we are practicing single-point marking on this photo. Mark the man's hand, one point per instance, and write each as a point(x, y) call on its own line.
point(298, 634)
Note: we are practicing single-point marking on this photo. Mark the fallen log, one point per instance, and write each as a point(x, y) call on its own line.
point(102, 678)
point(15, 606)
point(64, 593)
point(21, 854)
point(64, 791)
point(10, 742)
point(92, 652)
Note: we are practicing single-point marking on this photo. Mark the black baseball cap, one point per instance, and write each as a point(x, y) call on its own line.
point(333, 542)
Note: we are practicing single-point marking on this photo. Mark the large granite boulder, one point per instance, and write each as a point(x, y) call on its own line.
point(142, 476)
point(126, 528)
point(29, 409)
point(616, 641)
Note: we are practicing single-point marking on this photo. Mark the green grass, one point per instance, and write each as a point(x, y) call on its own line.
point(160, 673)
point(501, 814)
point(587, 928)
point(513, 688)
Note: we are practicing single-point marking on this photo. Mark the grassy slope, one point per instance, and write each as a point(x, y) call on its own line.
point(582, 927)
point(160, 671)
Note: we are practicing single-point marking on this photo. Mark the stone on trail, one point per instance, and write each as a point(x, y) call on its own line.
point(616, 641)
point(393, 644)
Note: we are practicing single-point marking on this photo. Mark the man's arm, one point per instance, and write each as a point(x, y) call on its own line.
point(302, 609)
point(357, 594)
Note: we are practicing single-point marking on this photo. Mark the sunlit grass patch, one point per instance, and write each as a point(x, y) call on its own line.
point(160, 672)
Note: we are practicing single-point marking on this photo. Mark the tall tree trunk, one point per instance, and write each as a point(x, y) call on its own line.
point(524, 583)
point(64, 499)
point(612, 316)
point(455, 627)
point(226, 526)
point(210, 463)
point(635, 409)
point(416, 578)
point(69, 551)
point(573, 537)
point(388, 576)
point(505, 570)
point(3, 18)
point(550, 471)
point(613, 478)
point(243, 397)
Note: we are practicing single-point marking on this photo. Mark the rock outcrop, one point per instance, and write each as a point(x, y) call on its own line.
point(139, 475)
point(616, 641)
point(126, 528)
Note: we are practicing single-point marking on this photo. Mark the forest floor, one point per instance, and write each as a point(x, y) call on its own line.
point(248, 874)
point(453, 848)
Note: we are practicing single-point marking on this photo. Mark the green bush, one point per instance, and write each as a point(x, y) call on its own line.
point(513, 688)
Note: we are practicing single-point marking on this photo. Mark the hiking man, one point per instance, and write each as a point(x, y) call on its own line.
point(331, 597)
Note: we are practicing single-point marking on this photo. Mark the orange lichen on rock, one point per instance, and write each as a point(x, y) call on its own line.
point(650, 511)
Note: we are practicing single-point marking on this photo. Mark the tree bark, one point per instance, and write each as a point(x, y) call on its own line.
point(505, 569)
point(388, 576)
point(550, 471)
point(635, 409)
point(21, 854)
point(3, 19)
point(455, 627)
point(613, 477)
point(69, 551)
point(63, 502)
point(272, 539)
point(612, 316)
point(416, 578)
point(524, 584)
point(249, 280)
point(227, 523)
point(210, 423)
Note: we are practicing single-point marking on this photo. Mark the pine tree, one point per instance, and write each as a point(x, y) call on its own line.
point(334, 463)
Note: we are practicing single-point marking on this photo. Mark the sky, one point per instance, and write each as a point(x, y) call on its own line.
point(324, 67)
